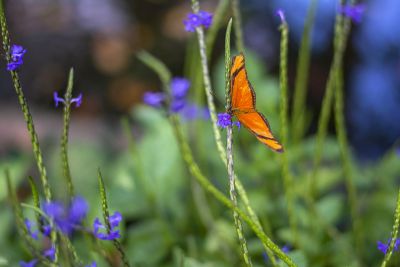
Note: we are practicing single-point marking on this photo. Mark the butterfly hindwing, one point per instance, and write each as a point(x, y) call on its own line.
point(243, 101)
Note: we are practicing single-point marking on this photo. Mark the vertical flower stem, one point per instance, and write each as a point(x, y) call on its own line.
point(340, 40)
point(300, 90)
point(229, 154)
point(395, 232)
point(213, 115)
point(287, 177)
point(346, 158)
point(106, 216)
point(196, 172)
point(238, 25)
point(64, 138)
point(158, 67)
point(24, 105)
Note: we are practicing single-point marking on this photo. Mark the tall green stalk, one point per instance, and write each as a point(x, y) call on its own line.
point(340, 40)
point(229, 149)
point(287, 177)
point(346, 158)
point(213, 115)
point(395, 232)
point(64, 137)
point(300, 89)
point(237, 18)
point(252, 220)
point(24, 105)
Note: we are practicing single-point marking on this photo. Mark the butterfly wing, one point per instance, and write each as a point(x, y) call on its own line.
point(259, 126)
point(243, 101)
point(242, 94)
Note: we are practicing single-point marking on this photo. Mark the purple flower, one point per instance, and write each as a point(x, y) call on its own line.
point(46, 230)
point(93, 264)
point(179, 87)
point(50, 253)
point(224, 120)
point(202, 18)
point(113, 234)
point(28, 225)
point(177, 105)
point(285, 249)
point(281, 14)
point(31, 263)
point(153, 99)
point(385, 246)
point(76, 100)
point(354, 12)
point(193, 112)
point(17, 52)
point(66, 219)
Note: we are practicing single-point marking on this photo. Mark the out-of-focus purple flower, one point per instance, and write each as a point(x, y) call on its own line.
point(114, 221)
point(66, 219)
point(285, 249)
point(202, 18)
point(153, 99)
point(354, 12)
point(46, 230)
point(384, 247)
point(93, 264)
point(50, 253)
point(281, 14)
point(179, 87)
point(177, 105)
point(28, 225)
point(77, 100)
point(193, 112)
point(31, 263)
point(17, 52)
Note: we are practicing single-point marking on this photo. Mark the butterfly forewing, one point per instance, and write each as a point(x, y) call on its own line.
point(242, 94)
point(243, 101)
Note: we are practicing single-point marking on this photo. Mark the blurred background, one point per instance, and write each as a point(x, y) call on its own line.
point(100, 39)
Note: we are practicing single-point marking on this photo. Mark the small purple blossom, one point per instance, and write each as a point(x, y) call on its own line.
point(29, 225)
point(153, 99)
point(113, 234)
point(384, 247)
point(354, 12)
point(179, 87)
point(50, 253)
point(285, 249)
point(177, 105)
point(46, 230)
point(66, 219)
point(224, 120)
point(194, 20)
point(193, 112)
point(281, 14)
point(77, 100)
point(31, 263)
point(17, 52)
point(93, 264)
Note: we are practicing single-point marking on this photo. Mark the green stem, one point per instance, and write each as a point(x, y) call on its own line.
point(24, 105)
point(195, 171)
point(346, 158)
point(395, 232)
point(64, 138)
point(287, 177)
point(106, 216)
point(237, 19)
point(229, 144)
point(300, 90)
point(213, 115)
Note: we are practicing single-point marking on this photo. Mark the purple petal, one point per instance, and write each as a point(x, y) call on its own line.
point(153, 99)
point(77, 100)
point(50, 253)
point(78, 210)
point(179, 87)
point(281, 14)
point(115, 219)
point(31, 263)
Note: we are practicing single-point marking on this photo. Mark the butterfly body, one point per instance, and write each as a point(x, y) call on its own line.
point(243, 105)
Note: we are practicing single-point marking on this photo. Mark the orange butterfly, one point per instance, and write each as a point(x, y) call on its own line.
point(243, 102)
